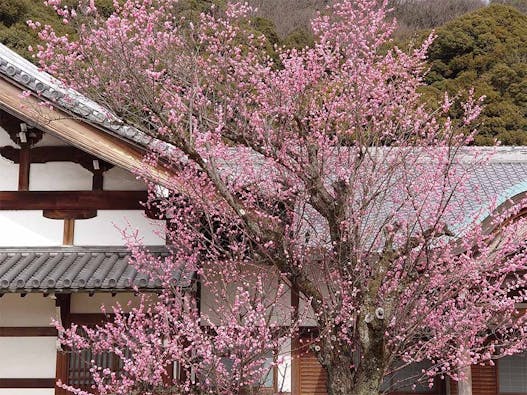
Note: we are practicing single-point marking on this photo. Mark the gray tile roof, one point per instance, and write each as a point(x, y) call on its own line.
point(19, 70)
point(75, 269)
point(495, 182)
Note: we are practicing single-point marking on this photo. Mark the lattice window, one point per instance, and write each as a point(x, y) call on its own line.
point(79, 364)
point(512, 374)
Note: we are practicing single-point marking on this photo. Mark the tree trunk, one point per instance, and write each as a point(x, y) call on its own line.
point(340, 380)
point(343, 381)
point(368, 380)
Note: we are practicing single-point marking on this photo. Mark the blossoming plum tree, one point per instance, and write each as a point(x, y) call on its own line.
point(321, 175)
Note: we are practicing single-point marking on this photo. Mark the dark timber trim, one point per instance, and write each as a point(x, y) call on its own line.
point(27, 383)
point(72, 200)
point(47, 154)
point(24, 166)
point(27, 331)
point(70, 214)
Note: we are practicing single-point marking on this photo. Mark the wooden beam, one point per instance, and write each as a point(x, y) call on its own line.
point(27, 383)
point(89, 138)
point(60, 153)
point(88, 319)
point(70, 214)
point(72, 200)
point(27, 331)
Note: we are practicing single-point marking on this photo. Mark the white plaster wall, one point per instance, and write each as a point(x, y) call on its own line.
point(28, 357)
point(27, 391)
point(120, 179)
point(48, 139)
point(8, 170)
point(59, 176)
point(284, 368)
point(9, 175)
point(82, 303)
point(29, 228)
point(32, 310)
point(5, 139)
point(107, 227)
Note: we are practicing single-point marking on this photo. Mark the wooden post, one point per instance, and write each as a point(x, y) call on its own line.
point(23, 168)
point(62, 303)
point(61, 372)
point(97, 180)
point(69, 232)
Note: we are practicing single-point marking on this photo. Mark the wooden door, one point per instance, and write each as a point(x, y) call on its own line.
point(311, 378)
point(484, 381)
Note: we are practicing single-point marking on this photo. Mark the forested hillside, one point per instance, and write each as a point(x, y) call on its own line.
point(14, 31)
point(476, 46)
point(486, 50)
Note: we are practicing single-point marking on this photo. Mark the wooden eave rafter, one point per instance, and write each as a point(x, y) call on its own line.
point(79, 133)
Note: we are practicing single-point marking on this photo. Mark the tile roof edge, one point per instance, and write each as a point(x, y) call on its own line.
point(19, 70)
point(78, 249)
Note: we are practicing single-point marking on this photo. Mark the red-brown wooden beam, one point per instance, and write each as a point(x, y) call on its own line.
point(27, 383)
point(71, 200)
point(70, 214)
point(27, 331)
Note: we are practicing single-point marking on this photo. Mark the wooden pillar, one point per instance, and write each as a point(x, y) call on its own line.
point(97, 180)
point(62, 303)
point(23, 168)
point(61, 372)
point(69, 232)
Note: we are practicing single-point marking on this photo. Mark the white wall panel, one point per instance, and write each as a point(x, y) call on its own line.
point(107, 227)
point(59, 176)
point(120, 179)
point(48, 139)
point(27, 391)
point(5, 139)
point(284, 368)
point(32, 310)
point(28, 357)
point(29, 228)
point(8, 175)
point(8, 170)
